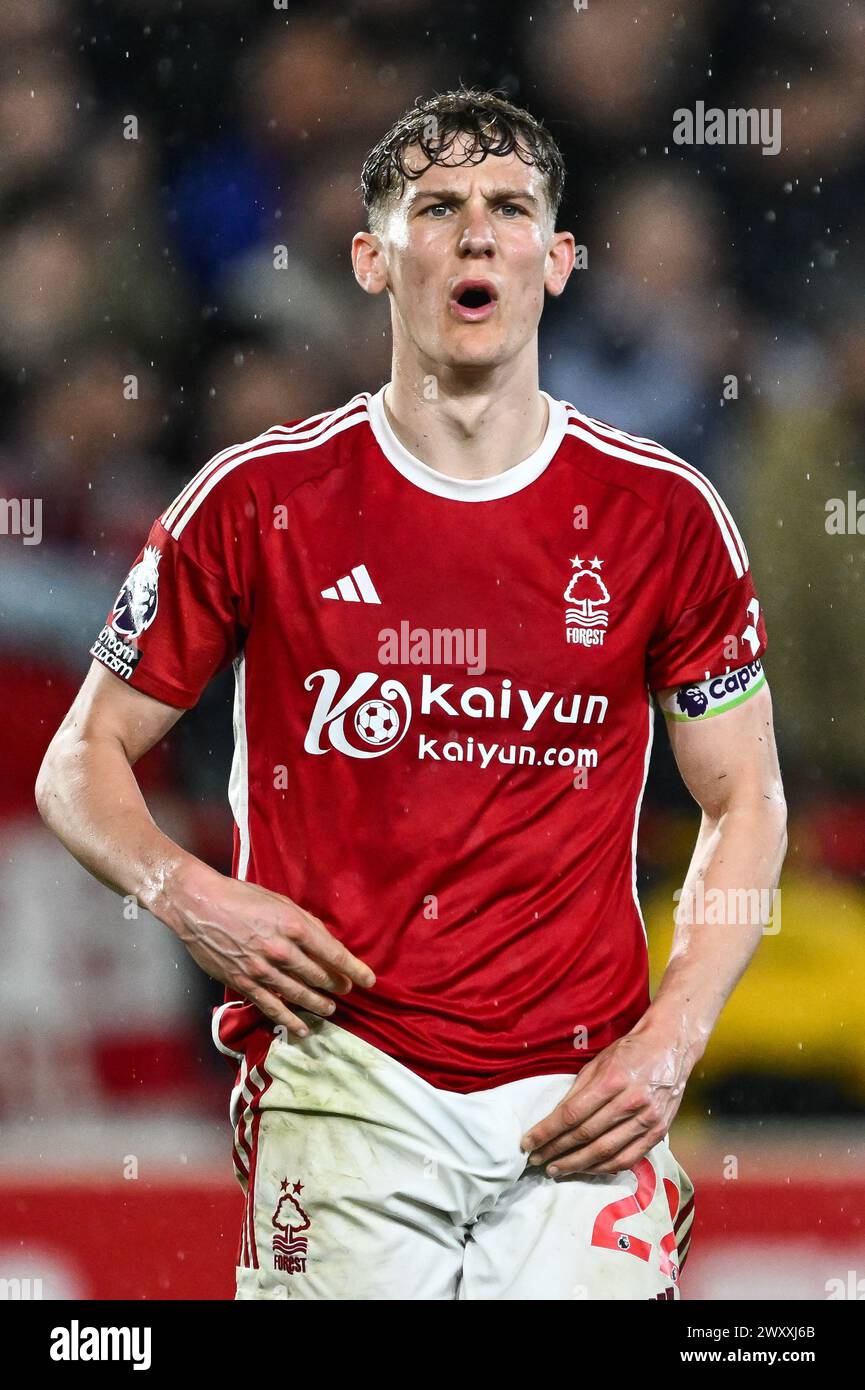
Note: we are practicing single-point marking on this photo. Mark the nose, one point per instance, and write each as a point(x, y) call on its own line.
point(477, 237)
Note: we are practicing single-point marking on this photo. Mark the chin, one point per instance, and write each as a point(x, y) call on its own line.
point(481, 356)
point(482, 364)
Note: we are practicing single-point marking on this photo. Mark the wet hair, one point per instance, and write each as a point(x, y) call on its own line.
point(493, 125)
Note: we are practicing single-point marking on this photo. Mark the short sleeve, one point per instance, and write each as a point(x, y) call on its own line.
point(711, 621)
point(184, 608)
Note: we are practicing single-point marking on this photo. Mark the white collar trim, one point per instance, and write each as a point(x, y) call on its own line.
point(504, 484)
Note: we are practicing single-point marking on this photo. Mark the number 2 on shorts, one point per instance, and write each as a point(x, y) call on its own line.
point(605, 1234)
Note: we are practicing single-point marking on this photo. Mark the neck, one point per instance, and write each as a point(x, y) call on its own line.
point(467, 425)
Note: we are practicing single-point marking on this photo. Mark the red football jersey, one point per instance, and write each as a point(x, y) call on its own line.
point(443, 713)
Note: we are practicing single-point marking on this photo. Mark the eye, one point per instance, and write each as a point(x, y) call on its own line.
point(511, 207)
point(436, 207)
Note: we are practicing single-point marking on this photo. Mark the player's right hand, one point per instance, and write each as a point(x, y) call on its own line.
point(260, 944)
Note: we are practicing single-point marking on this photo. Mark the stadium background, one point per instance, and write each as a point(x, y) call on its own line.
point(151, 259)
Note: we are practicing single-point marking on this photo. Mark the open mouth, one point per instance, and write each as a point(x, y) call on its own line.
point(473, 301)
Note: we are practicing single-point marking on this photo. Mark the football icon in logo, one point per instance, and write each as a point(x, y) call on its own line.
point(377, 721)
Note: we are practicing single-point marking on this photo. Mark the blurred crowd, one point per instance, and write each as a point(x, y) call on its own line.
point(155, 153)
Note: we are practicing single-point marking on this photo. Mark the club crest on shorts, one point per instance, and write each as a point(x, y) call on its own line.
point(135, 606)
point(586, 618)
point(290, 1219)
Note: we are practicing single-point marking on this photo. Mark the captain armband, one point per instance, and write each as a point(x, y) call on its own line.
point(702, 699)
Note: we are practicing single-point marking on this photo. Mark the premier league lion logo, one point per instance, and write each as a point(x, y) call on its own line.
point(136, 603)
point(692, 700)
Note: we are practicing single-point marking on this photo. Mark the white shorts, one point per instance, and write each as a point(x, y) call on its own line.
point(363, 1181)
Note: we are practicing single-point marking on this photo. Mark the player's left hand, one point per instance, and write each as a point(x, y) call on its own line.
point(621, 1104)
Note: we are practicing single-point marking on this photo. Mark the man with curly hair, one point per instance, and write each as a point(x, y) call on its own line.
point(453, 605)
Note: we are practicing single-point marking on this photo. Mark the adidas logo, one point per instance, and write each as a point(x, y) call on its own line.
point(356, 587)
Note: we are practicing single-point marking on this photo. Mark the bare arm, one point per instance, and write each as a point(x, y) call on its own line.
point(259, 943)
point(87, 793)
point(626, 1098)
point(727, 898)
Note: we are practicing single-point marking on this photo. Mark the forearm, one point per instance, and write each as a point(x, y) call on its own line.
point(88, 796)
point(727, 900)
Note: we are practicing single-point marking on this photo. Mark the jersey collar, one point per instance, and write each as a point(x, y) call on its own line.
point(504, 484)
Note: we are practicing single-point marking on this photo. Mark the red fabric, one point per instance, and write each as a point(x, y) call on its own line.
point(495, 903)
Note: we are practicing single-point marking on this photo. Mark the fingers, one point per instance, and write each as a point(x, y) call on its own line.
point(285, 973)
point(578, 1136)
point(619, 1148)
point(578, 1106)
point(311, 971)
point(613, 1138)
point(603, 1128)
point(282, 969)
point(318, 943)
point(274, 1009)
point(291, 958)
point(277, 955)
point(293, 990)
point(321, 948)
point(624, 1160)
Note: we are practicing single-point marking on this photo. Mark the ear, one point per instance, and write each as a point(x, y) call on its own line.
point(369, 262)
point(561, 255)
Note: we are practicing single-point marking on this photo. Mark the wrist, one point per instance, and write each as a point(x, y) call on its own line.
point(174, 882)
point(677, 1029)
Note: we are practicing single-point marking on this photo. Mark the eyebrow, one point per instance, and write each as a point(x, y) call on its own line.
point(495, 195)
